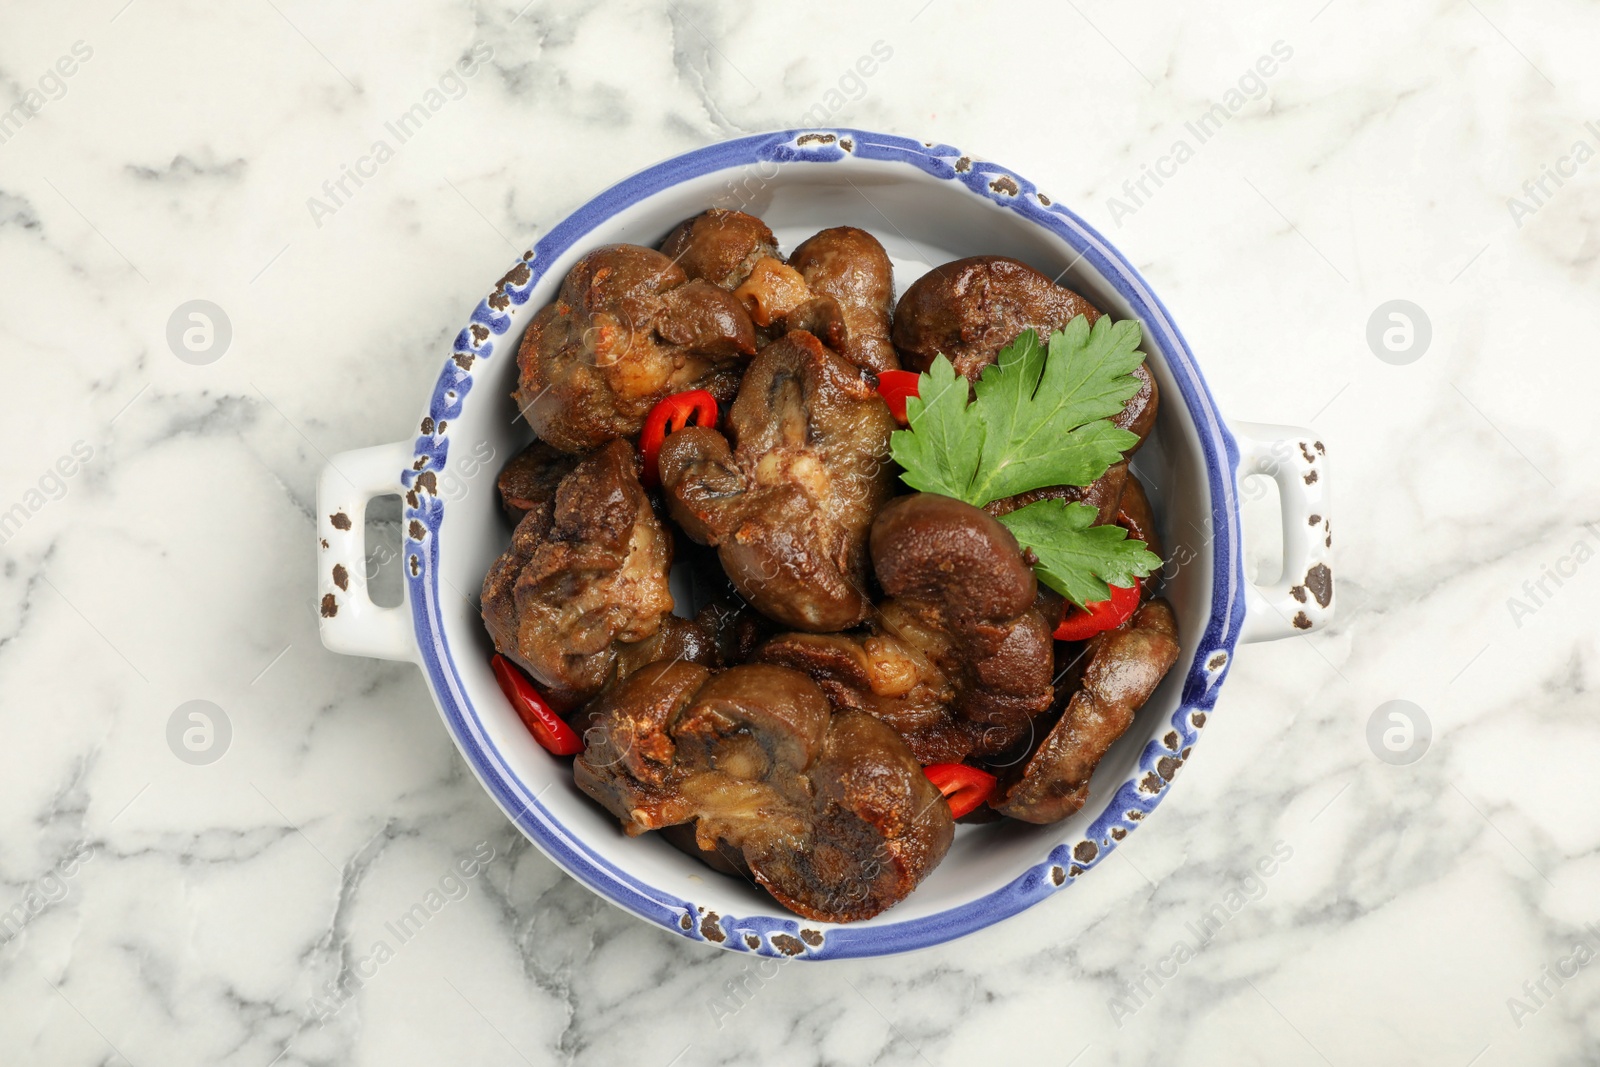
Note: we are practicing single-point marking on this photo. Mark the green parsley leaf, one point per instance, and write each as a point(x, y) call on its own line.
point(1076, 558)
point(940, 451)
point(1039, 416)
point(1045, 418)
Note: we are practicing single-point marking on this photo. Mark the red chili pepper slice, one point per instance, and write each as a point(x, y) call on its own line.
point(547, 728)
point(895, 386)
point(1083, 623)
point(673, 413)
point(964, 787)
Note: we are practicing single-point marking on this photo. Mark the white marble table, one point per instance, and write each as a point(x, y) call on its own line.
point(158, 536)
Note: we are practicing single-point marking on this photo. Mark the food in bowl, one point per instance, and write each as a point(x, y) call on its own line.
point(877, 630)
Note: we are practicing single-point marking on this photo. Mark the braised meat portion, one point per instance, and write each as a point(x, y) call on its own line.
point(961, 590)
point(528, 480)
point(838, 286)
point(1124, 667)
point(788, 504)
point(1138, 415)
point(585, 578)
point(850, 268)
point(959, 658)
point(1102, 494)
point(970, 309)
point(829, 812)
point(628, 328)
point(773, 291)
point(1135, 515)
point(888, 675)
point(720, 246)
point(630, 763)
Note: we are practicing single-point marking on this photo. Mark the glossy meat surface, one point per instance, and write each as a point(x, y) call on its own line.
point(828, 811)
point(720, 246)
point(970, 309)
point(528, 480)
point(849, 267)
point(628, 328)
point(582, 580)
point(958, 659)
point(1136, 516)
point(1102, 494)
point(630, 761)
point(772, 292)
point(788, 505)
point(1124, 667)
point(1138, 415)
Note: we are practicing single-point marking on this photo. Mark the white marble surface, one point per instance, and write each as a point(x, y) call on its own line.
point(203, 907)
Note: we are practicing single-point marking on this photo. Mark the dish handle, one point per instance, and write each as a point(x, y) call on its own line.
point(351, 623)
point(1301, 601)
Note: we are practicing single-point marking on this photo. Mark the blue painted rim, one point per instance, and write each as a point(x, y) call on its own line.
point(782, 935)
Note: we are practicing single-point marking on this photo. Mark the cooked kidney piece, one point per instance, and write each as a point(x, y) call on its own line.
point(829, 812)
point(970, 309)
point(850, 268)
point(959, 658)
point(838, 286)
point(628, 328)
point(1124, 667)
point(1135, 515)
point(1102, 494)
point(720, 246)
point(789, 503)
point(582, 590)
point(529, 480)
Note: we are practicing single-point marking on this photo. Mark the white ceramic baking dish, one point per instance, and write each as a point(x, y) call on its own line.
point(928, 204)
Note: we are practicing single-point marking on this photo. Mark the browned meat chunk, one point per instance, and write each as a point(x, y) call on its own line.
point(788, 506)
point(849, 267)
point(970, 309)
point(890, 674)
point(959, 658)
point(1124, 668)
point(584, 579)
point(528, 481)
point(627, 329)
point(629, 763)
point(678, 639)
point(1135, 516)
point(823, 318)
point(1138, 415)
point(772, 292)
point(720, 246)
point(838, 286)
point(1102, 494)
point(830, 813)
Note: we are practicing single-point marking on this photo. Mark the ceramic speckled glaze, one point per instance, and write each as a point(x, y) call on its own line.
point(928, 204)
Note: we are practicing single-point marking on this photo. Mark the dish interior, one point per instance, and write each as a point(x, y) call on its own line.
point(922, 222)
